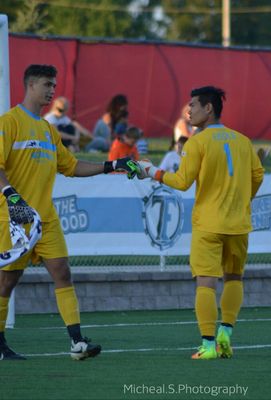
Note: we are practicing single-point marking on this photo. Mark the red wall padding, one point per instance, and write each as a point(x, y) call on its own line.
point(156, 78)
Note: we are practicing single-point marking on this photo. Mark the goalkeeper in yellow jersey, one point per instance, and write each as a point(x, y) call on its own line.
point(31, 153)
point(228, 174)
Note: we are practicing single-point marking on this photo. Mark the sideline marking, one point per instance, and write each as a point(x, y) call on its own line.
point(245, 347)
point(144, 324)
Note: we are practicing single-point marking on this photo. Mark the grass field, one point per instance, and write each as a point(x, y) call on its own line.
point(143, 351)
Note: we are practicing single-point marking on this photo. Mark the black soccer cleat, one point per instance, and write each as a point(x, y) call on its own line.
point(7, 354)
point(84, 349)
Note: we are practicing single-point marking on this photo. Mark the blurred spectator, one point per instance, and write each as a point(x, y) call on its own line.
point(263, 154)
point(142, 144)
point(183, 126)
point(69, 130)
point(103, 133)
point(122, 125)
point(172, 159)
point(125, 145)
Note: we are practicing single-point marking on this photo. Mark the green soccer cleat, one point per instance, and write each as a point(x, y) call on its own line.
point(224, 349)
point(207, 351)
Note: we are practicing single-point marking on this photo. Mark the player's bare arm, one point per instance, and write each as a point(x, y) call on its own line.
point(3, 179)
point(87, 168)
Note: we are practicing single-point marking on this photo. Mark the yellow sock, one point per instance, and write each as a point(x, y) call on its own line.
point(206, 310)
point(68, 305)
point(3, 312)
point(231, 301)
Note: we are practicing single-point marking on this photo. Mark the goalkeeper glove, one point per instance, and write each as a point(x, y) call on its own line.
point(19, 211)
point(122, 164)
point(148, 170)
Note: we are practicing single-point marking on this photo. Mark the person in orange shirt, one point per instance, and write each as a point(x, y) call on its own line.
point(125, 145)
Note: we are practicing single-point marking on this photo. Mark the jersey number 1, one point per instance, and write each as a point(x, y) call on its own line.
point(229, 158)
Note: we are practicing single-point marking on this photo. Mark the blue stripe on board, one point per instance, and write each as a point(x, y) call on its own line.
point(121, 214)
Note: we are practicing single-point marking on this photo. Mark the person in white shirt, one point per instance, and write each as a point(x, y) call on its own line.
point(171, 160)
point(69, 130)
point(183, 126)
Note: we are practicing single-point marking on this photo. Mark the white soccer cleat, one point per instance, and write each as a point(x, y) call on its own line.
point(84, 349)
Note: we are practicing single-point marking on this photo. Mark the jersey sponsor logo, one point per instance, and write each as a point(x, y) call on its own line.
point(42, 149)
point(72, 219)
point(41, 156)
point(163, 216)
point(34, 144)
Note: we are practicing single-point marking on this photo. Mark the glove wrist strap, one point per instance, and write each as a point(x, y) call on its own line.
point(8, 190)
point(158, 176)
point(108, 167)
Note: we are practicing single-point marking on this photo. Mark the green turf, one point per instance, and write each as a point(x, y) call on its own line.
point(164, 366)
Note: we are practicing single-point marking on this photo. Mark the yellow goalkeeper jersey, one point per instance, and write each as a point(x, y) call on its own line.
point(31, 153)
point(228, 174)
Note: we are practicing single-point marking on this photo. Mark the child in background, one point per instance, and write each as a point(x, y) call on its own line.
point(172, 159)
point(125, 145)
point(142, 144)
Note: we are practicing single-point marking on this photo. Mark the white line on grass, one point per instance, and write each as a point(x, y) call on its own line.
point(245, 347)
point(149, 324)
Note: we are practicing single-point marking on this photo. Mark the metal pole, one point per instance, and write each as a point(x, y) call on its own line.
point(4, 65)
point(226, 23)
point(11, 311)
point(162, 263)
point(4, 106)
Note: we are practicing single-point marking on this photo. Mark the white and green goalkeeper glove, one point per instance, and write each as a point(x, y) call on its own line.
point(147, 169)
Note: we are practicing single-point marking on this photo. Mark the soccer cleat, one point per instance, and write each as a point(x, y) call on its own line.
point(224, 349)
point(84, 349)
point(206, 351)
point(7, 354)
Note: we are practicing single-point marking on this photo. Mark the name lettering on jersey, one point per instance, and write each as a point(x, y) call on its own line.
point(224, 136)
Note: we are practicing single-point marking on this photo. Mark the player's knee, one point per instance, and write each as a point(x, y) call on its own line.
point(207, 281)
point(232, 277)
point(63, 275)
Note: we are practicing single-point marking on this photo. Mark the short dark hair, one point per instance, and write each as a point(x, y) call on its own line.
point(182, 139)
point(115, 108)
point(39, 71)
point(211, 94)
point(133, 133)
point(116, 102)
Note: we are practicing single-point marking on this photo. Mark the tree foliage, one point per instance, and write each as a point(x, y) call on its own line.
point(178, 20)
point(31, 17)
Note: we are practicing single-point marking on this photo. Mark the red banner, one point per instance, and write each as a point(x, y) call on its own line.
point(157, 78)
